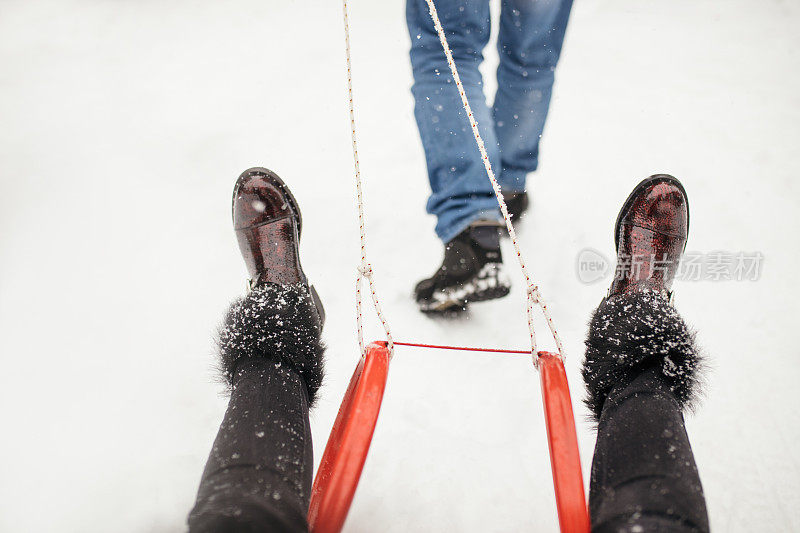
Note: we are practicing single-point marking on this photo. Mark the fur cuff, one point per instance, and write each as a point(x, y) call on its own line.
point(633, 332)
point(278, 323)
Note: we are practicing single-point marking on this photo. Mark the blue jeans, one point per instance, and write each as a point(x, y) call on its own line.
point(529, 44)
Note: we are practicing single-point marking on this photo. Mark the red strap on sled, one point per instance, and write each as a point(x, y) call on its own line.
point(349, 442)
point(348, 445)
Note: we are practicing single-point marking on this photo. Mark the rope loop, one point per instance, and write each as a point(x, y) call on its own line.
point(365, 268)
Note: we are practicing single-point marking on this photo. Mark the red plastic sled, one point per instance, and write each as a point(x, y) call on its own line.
point(348, 445)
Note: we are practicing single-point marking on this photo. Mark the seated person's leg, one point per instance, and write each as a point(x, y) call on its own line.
point(641, 372)
point(640, 369)
point(259, 473)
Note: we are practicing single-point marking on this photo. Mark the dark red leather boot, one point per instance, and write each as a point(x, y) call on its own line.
point(650, 235)
point(267, 222)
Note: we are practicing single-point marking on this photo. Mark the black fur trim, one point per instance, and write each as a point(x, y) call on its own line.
point(633, 332)
point(278, 323)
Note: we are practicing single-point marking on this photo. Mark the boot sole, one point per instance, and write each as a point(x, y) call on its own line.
point(452, 300)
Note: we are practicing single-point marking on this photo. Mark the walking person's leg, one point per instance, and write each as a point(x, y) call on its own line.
point(259, 472)
point(462, 197)
point(641, 372)
point(460, 191)
point(529, 43)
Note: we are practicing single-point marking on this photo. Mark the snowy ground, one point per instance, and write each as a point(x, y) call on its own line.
point(124, 126)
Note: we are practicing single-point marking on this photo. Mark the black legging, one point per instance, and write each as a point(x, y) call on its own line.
point(258, 476)
point(644, 477)
point(259, 473)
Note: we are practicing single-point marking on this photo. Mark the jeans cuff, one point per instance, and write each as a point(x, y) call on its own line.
point(451, 232)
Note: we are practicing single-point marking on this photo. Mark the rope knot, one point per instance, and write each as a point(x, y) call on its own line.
point(534, 294)
point(365, 269)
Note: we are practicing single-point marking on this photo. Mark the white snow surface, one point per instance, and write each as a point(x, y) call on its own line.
point(124, 127)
